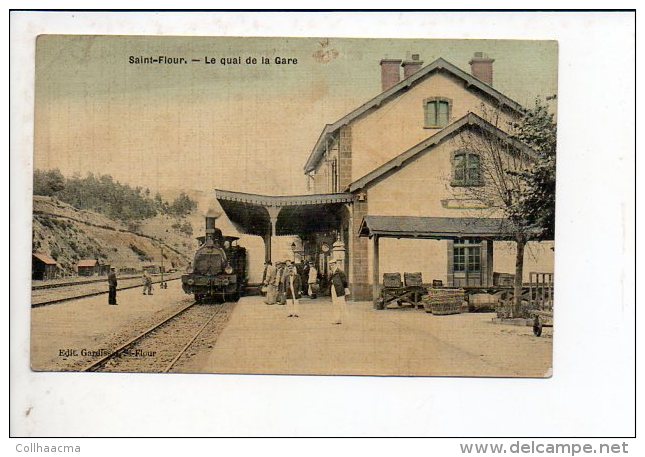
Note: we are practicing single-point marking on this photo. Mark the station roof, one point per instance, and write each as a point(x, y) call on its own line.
point(295, 214)
point(435, 227)
point(471, 83)
point(282, 200)
point(87, 263)
point(44, 258)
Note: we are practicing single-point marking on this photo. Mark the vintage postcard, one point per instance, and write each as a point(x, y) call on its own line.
point(323, 206)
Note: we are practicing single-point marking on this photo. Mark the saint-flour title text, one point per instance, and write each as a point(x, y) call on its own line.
point(210, 60)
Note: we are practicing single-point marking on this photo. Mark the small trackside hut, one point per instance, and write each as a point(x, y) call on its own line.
point(43, 267)
point(91, 267)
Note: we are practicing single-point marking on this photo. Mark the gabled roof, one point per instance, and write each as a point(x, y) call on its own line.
point(471, 82)
point(87, 263)
point(435, 227)
point(44, 258)
point(469, 120)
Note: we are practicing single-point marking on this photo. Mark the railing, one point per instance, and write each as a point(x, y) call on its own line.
point(541, 291)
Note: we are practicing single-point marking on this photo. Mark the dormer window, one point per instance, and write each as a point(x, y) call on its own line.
point(437, 112)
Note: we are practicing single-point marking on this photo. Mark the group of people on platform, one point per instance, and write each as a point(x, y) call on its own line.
point(285, 283)
point(112, 285)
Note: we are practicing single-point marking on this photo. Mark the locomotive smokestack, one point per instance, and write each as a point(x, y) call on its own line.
point(211, 216)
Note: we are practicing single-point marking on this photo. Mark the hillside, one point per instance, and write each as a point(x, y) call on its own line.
point(68, 235)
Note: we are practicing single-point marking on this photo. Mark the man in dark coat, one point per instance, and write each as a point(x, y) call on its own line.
point(304, 277)
point(279, 279)
point(112, 285)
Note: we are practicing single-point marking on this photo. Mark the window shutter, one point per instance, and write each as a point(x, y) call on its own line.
point(442, 116)
point(473, 169)
point(431, 113)
point(460, 167)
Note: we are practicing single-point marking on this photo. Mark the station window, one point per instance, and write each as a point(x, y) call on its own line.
point(466, 168)
point(467, 256)
point(437, 112)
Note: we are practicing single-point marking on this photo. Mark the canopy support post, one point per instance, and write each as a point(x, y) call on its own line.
point(273, 216)
point(375, 269)
point(267, 247)
point(273, 211)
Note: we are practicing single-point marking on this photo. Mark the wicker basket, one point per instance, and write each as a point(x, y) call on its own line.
point(443, 301)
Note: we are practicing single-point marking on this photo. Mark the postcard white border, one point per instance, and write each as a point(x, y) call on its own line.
point(592, 392)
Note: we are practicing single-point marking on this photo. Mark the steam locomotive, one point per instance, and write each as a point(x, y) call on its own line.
point(218, 272)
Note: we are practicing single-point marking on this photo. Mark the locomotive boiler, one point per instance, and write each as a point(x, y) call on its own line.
point(218, 271)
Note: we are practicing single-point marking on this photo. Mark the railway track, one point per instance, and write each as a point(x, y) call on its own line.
point(55, 285)
point(159, 348)
point(92, 294)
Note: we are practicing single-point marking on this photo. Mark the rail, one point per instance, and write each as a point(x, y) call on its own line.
point(171, 334)
point(92, 294)
point(54, 285)
point(94, 366)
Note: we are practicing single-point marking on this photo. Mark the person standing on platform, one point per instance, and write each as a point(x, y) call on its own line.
point(112, 287)
point(292, 287)
point(279, 283)
point(269, 282)
point(304, 277)
point(339, 290)
point(282, 293)
point(312, 281)
point(147, 283)
point(264, 273)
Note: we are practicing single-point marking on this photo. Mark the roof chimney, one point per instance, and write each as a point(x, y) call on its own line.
point(411, 66)
point(390, 73)
point(481, 67)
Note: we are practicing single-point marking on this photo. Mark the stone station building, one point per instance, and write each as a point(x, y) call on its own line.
point(391, 185)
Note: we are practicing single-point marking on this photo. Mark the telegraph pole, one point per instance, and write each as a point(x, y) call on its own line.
point(163, 284)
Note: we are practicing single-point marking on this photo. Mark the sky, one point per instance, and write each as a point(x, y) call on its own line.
point(244, 127)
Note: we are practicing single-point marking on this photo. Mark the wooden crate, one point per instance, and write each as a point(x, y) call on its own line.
point(413, 279)
point(392, 280)
point(503, 279)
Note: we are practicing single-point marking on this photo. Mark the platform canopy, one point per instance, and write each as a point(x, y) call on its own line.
point(264, 215)
point(435, 227)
